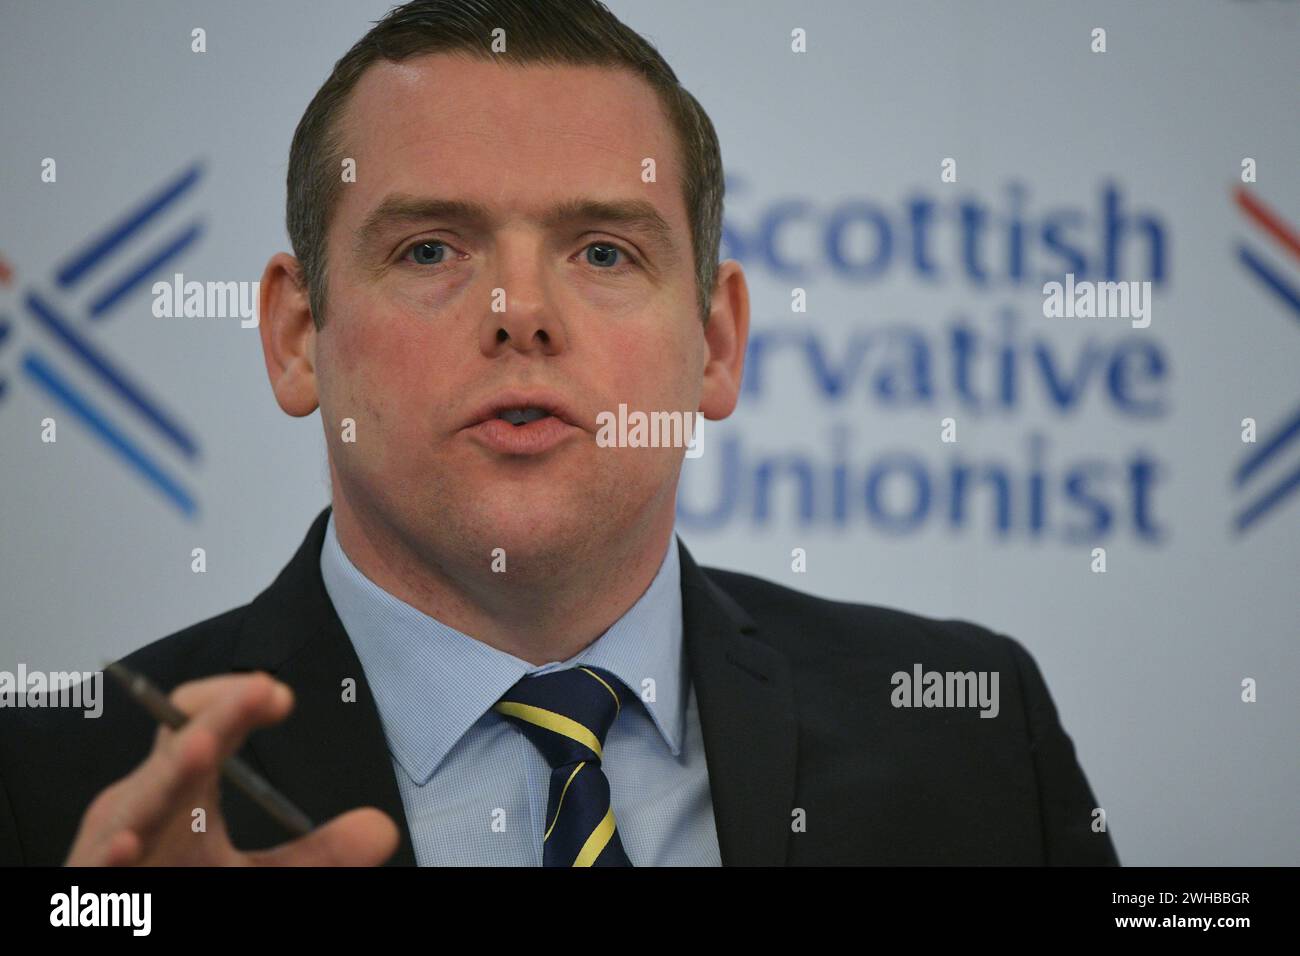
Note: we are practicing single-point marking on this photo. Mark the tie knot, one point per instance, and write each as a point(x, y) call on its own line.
point(565, 713)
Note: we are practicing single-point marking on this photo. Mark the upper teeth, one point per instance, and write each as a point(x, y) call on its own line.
point(521, 416)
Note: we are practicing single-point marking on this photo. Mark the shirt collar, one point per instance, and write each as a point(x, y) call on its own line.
point(432, 682)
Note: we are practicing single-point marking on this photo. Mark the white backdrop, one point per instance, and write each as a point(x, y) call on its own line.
point(924, 303)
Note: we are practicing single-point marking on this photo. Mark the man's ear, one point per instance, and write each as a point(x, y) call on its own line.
point(726, 336)
point(288, 335)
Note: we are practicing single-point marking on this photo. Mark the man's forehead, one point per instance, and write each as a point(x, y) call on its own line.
point(449, 134)
point(455, 93)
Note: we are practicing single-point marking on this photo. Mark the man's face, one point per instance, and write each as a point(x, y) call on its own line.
point(434, 317)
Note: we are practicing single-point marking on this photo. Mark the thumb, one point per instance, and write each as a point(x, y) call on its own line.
point(362, 837)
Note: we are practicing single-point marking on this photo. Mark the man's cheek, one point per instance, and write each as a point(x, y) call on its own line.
point(653, 379)
point(415, 301)
point(624, 304)
point(398, 370)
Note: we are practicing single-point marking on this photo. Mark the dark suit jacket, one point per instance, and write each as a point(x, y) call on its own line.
point(795, 701)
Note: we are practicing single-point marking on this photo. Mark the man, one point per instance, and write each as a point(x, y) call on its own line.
point(491, 648)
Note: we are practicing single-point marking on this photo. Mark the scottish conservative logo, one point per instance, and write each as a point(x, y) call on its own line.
point(52, 338)
point(1263, 494)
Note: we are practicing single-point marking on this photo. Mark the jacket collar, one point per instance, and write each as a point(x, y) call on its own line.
point(747, 714)
point(331, 755)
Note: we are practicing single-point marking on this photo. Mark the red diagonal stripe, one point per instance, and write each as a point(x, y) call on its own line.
point(1271, 222)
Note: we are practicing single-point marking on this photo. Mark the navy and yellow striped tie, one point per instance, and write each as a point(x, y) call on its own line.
point(566, 714)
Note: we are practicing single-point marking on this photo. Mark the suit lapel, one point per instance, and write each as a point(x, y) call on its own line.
point(330, 755)
point(747, 713)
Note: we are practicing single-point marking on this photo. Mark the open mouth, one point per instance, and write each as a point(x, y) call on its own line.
point(522, 424)
point(522, 416)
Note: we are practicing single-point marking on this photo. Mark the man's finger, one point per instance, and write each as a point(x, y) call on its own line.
point(222, 711)
point(232, 706)
point(363, 837)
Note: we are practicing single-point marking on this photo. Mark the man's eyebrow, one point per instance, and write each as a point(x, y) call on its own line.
point(634, 213)
point(401, 209)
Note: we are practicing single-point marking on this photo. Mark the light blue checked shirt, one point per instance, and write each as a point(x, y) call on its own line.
point(473, 786)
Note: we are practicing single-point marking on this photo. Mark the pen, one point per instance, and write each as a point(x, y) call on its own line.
point(232, 768)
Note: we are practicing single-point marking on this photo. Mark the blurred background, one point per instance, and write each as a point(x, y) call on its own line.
point(1169, 158)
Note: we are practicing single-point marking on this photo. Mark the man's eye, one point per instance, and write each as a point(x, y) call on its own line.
point(604, 255)
point(429, 253)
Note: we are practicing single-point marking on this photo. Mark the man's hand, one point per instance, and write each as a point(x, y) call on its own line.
point(145, 818)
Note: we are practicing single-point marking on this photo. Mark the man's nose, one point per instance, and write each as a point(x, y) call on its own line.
point(521, 314)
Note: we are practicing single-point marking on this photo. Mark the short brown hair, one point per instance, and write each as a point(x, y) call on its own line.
point(570, 32)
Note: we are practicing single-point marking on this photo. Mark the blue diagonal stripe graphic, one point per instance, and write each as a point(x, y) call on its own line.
point(102, 246)
point(1269, 500)
point(1283, 289)
point(45, 376)
point(1284, 436)
point(143, 271)
point(113, 377)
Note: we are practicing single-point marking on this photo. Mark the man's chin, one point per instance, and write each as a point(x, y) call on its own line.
point(529, 523)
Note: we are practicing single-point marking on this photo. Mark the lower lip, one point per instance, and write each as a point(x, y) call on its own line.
point(533, 438)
